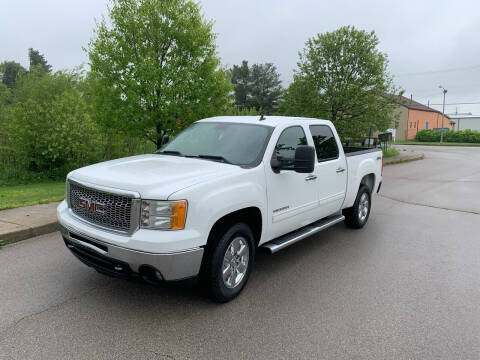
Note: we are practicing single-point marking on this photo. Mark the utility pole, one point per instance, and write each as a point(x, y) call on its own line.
point(443, 111)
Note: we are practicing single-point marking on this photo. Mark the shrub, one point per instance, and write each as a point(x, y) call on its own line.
point(48, 127)
point(428, 136)
point(465, 136)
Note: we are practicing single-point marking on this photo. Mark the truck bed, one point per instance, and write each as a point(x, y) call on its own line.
point(357, 150)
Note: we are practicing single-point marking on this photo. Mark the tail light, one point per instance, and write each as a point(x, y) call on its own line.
point(382, 166)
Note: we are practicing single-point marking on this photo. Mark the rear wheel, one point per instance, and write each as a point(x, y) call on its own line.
point(357, 216)
point(230, 262)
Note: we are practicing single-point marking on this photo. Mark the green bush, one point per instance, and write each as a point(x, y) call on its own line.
point(48, 123)
point(428, 135)
point(462, 136)
point(48, 127)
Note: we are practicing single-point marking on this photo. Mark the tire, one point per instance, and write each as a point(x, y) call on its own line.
point(357, 216)
point(233, 249)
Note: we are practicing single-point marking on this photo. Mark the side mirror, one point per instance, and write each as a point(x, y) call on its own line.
point(276, 165)
point(165, 139)
point(304, 159)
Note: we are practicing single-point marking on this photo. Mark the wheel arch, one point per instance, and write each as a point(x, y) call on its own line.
point(251, 215)
point(368, 180)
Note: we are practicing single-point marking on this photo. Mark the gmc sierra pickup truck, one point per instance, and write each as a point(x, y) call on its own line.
point(205, 202)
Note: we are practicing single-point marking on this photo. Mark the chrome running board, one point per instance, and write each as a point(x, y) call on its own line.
point(300, 234)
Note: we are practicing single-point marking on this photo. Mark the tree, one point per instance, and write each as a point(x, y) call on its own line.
point(241, 80)
point(258, 86)
point(9, 71)
point(266, 87)
point(49, 125)
point(156, 68)
point(343, 77)
point(38, 60)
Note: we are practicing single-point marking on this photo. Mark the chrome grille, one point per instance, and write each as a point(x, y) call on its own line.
point(117, 209)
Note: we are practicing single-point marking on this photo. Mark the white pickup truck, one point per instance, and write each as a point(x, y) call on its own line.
point(206, 201)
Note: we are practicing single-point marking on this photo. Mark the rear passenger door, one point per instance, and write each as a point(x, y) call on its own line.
point(330, 169)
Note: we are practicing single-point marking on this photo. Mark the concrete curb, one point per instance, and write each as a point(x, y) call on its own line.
point(26, 222)
point(24, 234)
point(402, 159)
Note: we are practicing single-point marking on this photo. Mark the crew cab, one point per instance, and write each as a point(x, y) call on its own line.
point(205, 202)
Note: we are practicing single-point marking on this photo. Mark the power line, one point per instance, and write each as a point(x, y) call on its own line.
point(441, 71)
point(461, 103)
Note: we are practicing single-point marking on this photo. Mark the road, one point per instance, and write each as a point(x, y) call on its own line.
point(407, 286)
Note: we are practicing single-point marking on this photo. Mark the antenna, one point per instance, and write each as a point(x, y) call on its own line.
point(262, 118)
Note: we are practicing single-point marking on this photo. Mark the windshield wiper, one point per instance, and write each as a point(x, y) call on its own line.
point(170, 152)
point(214, 157)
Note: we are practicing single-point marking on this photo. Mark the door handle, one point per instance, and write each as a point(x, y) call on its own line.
point(340, 169)
point(310, 177)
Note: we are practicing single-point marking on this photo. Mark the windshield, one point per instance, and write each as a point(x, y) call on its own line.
point(239, 144)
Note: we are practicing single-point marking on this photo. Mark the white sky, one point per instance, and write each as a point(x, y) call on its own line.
point(418, 36)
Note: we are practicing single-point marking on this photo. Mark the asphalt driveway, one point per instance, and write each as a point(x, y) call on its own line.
point(407, 286)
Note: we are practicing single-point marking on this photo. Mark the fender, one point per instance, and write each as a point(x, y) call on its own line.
point(210, 201)
point(355, 175)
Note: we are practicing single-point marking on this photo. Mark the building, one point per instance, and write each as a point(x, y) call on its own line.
point(413, 117)
point(464, 122)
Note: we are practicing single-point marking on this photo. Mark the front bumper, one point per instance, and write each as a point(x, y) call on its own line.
point(120, 261)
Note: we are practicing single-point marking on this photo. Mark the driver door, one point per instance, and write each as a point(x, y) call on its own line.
point(292, 196)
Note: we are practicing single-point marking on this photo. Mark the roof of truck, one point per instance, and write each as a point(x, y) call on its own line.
point(267, 120)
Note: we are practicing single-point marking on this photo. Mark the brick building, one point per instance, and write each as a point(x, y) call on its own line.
point(414, 117)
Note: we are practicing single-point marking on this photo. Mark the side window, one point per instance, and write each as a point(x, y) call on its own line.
point(288, 142)
point(324, 141)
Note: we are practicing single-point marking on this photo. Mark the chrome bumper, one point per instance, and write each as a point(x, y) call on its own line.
point(116, 260)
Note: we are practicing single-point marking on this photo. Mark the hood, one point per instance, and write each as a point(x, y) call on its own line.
point(154, 176)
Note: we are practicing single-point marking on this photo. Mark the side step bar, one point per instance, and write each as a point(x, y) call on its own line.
point(293, 237)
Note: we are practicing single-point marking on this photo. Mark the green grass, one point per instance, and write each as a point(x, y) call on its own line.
point(24, 195)
point(390, 152)
point(433, 143)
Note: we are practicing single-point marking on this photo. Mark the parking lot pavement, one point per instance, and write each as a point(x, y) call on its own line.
point(404, 287)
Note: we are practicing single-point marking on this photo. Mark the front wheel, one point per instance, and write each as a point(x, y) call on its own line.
point(356, 217)
point(230, 263)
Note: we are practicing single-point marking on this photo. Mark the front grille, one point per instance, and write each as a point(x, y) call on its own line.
point(114, 213)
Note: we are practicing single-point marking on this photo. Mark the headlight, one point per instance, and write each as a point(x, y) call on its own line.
point(163, 215)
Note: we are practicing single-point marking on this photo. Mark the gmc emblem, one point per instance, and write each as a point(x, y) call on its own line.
point(90, 205)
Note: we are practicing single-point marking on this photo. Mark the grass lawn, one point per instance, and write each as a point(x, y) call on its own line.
point(390, 152)
point(433, 143)
point(23, 195)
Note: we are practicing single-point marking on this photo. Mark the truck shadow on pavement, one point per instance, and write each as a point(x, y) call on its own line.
point(269, 271)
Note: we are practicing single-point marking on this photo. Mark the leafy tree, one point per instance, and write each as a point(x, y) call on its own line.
point(241, 80)
point(258, 86)
point(9, 71)
point(155, 68)
point(49, 123)
point(266, 88)
point(38, 60)
point(343, 77)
